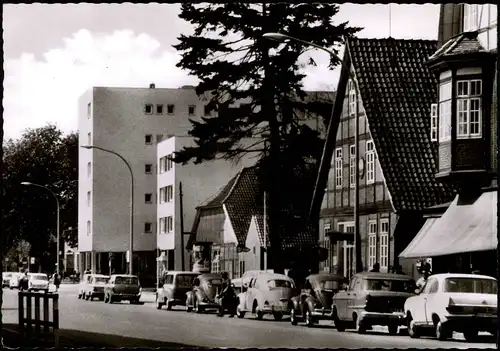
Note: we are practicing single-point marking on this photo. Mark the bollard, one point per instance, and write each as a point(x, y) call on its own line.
point(56, 320)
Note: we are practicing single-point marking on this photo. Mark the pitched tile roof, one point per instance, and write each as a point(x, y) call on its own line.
point(397, 89)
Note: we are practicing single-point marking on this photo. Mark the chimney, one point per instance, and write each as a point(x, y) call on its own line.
point(152, 86)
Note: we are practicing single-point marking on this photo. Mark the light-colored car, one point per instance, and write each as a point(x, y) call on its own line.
point(465, 303)
point(94, 286)
point(6, 278)
point(14, 280)
point(372, 299)
point(81, 286)
point(175, 287)
point(267, 293)
point(38, 282)
point(246, 277)
point(122, 287)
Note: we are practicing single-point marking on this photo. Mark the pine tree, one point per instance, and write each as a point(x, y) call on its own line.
point(233, 62)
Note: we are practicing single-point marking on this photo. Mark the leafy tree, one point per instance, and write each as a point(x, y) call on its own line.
point(233, 62)
point(42, 156)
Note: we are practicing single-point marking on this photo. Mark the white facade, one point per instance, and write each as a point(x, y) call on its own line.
point(130, 122)
point(482, 17)
point(199, 182)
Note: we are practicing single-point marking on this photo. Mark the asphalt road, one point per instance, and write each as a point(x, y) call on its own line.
point(208, 330)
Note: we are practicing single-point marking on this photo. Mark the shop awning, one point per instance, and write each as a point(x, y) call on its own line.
point(464, 227)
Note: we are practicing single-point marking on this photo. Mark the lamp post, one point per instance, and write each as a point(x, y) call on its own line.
point(357, 241)
point(57, 220)
point(131, 226)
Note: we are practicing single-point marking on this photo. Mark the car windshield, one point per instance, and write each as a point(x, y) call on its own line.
point(329, 285)
point(185, 280)
point(127, 280)
point(471, 285)
point(99, 280)
point(391, 285)
point(279, 283)
point(39, 277)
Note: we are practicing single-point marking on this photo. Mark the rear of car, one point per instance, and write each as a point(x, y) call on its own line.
point(96, 287)
point(277, 294)
point(123, 287)
point(6, 276)
point(38, 282)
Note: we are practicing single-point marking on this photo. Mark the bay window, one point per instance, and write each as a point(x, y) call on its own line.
point(445, 111)
point(469, 108)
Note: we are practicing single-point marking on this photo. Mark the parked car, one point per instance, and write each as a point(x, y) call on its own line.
point(14, 280)
point(465, 303)
point(175, 287)
point(246, 277)
point(94, 286)
point(372, 299)
point(122, 287)
point(83, 283)
point(268, 293)
point(38, 281)
point(315, 301)
point(6, 278)
point(203, 295)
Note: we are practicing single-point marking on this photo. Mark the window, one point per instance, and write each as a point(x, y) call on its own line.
point(384, 245)
point(89, 110)
point(148, 139)
point(206, 110)
point(338, 168)
point(166, 194)
point(159, 138)
point(148, 168)
point(89, 138)
point(148, 109)
point(352, 97)
point(88, 228)
point(148, 198)
point(352, 165)
point(434, 287)
point(169, 279)
point(372, 243)
point(159, 109)
point(370, 162)
point(89, 199)
point(148, 227)
point(445, 111)
point(170, 224)
point(469, 108)
point(162, 225)
point(470, 17)
point(169, 162)
point(170, 109)
point(434, 122)
point(89, 170)
point(192, 110)
point(163, 164)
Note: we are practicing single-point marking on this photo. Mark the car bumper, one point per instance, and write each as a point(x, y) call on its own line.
point(379, 318)
point(126, 296)
point(464, 322)
point(276, 308)
point(322, 314)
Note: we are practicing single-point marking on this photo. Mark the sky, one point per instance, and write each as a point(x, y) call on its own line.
point(53, 53)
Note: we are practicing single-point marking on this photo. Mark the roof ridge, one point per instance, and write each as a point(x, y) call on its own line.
point(393, 39)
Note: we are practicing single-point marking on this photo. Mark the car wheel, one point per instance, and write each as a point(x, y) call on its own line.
point(442, 332)
point(412, 328)
point(339, 325)
point(277, 316)
point(471, 334)
point(240, 314)
point(360, 325)
point(293, 317)
point(393, 329)
point(309, 318)
point(188, 308)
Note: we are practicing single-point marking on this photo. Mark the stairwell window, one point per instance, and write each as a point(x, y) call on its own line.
point(469, 108)
point(445, 111)
point(370, 162)
point(434, 122)
point(89, 199)
point(352, 165)
point(384, 245)
point(162, 224)
point(148, 109)
point(88, 228)
point(170, 224)
point(372, 243)
point(338, 167)
point(351, 88)
point(89, 170)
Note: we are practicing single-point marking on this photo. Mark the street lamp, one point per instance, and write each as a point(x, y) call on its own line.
point(57, 221)
point(357, 242)
point(131, 228)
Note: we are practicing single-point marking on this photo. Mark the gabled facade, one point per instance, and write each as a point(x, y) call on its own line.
point(387, 88)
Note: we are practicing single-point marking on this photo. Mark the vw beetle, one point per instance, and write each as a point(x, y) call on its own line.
point(315, 301)
point(203, 296)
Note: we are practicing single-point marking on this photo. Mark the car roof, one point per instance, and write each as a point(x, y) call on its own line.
point(325, 276)
point(124, 275)
point(99, 275)
point(182, 272)
point(441, 276)
point(377, 275)
point(273, 276)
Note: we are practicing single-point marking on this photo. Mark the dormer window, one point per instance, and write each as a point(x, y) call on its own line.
point(469, 108)
point(352, 97)
point(445, 111)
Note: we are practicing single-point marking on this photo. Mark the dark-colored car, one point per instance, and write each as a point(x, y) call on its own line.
point(203, 295)
point(373, 299)
point(174, 289)
point(122, 287)
point(315, 301)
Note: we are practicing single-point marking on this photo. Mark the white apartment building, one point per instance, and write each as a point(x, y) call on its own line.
point(130, 122)
point(199, 182)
